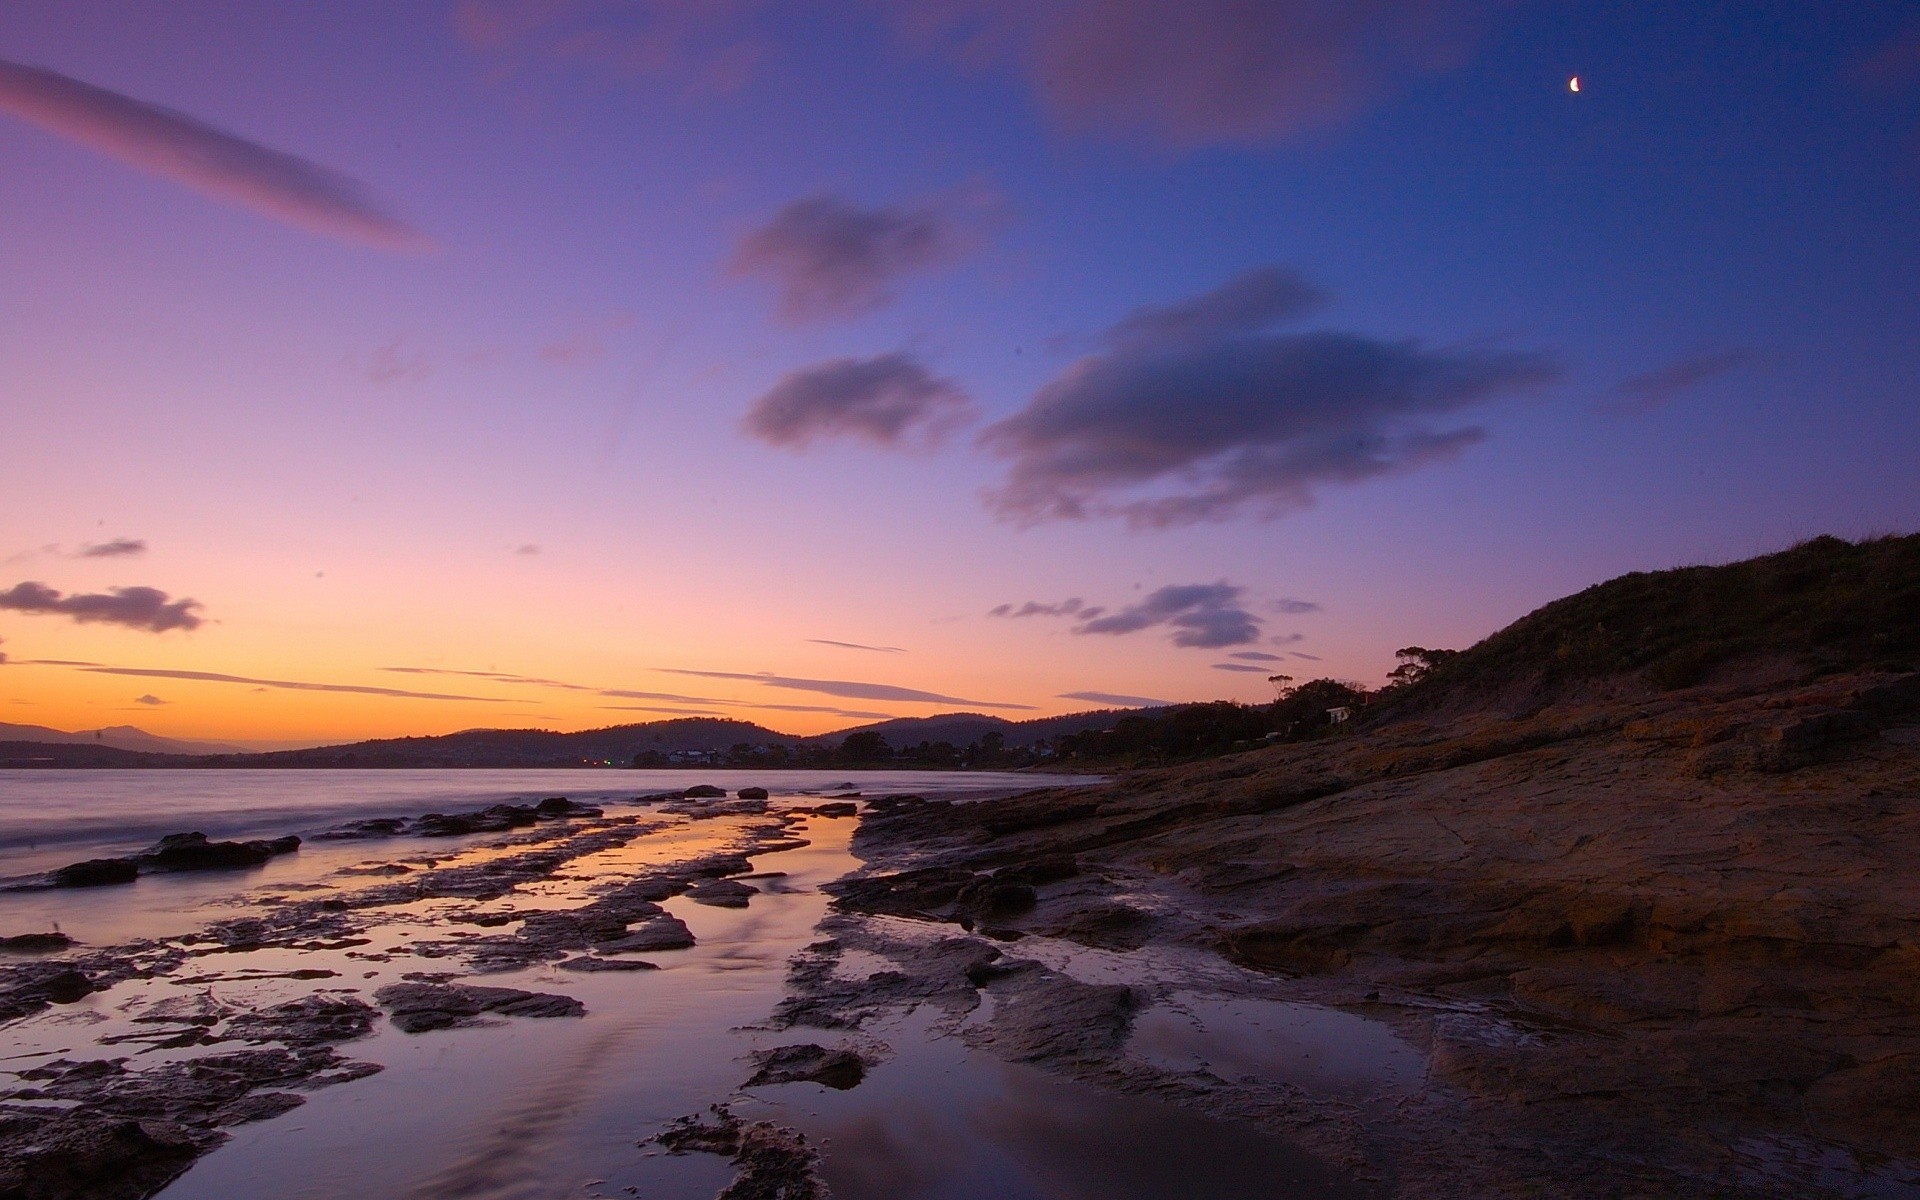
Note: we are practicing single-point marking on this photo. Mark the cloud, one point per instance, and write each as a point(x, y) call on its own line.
point(858, 646)
point(1248, 303)
point(281, 684)
point(707, 44)
point(1644, 393)
point(832, 259)
point(1294, 607)
point(848, 689)
point(1204, 72)
point(1242, 667)
point(890, 400)
point(497, 676)
point(134, 607)
point(117, 548)
point(1202, 615)
point(526, 550)
point(1071, 607)
point(1226, 418)
point(211, 161)
point(1305, 655)
point(667, 698)
point(1117, 701)
point(1256, 656)
point(677, 712)
point(149, 699)
point(1287, 639)
point(393, 363)
point(586, 343)
point(1896, 63)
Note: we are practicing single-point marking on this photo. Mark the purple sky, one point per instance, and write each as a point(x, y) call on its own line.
point(604, 360)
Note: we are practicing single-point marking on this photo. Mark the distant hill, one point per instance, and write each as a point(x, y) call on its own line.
point(963, 729)
point(615, 745)
point(120, 737)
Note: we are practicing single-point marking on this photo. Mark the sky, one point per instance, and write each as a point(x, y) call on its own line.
point(373, 369)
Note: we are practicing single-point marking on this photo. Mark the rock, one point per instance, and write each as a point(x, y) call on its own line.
point(419, 1007)
point(704, 791)
point(97, 872)
point(808, 1063)
point(314, 1020)
point(193, 852)
point(83, 1153)
point(722, 893)
point(844, 808)
point(775, 1163)
point(587, 962)
point(691, 1135)
point(374, 827)
point(659, 933)
point(555, 808)
point(34, 942)
point(752, 793)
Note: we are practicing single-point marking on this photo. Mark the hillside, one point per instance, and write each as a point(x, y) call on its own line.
point(1632, 879)
point(1821, 607)
point(964, 729)
point(613, 746)
point(119, 737)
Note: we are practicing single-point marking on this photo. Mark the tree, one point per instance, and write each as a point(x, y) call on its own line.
point(1280, 688)
point(1416, 663)
point(865, 747)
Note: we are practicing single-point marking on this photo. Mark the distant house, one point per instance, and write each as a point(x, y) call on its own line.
point(1336, 715)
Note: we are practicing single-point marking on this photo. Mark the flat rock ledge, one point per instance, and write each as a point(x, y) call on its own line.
point(419, 1007)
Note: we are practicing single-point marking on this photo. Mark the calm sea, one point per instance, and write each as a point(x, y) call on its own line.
point(49, 818)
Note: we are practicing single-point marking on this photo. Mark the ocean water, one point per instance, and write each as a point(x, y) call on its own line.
point(557, 1109)
point(51, 818)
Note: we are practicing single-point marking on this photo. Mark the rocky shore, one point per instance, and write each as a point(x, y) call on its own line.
point(1663, 944)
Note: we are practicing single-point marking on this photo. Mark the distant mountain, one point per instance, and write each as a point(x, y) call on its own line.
point(963, 729)
point(120, 737)
point(615, 746)
point(685, 739)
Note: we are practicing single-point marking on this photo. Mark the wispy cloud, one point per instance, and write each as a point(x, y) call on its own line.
point(831, 258)
point(142, 608)
point(1208, 71)
point(1198, 412)
point(1293, 607)
point(209, 160)
point(890, 400)
point(496, 676)
point(1303, 654)
point(849, 689)
point(283, 684)
point(1644, 393)
point(586, 343)
point(527, 550)
point(1202, 615)
point(1116, 700)
point(858, 646)
point(1255, 656)
point(664, 702)
point(709, 46)
point(117, 548)
point(1071, 607)
point(1242, 667)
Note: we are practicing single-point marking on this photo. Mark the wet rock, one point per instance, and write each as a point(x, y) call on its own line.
point(842, 808)
point(1042, 1016)
point(315, 1020)
point(775, 1163)
point(374, 827)
point(89, 1154)
point(193, 852)
point(419, 1007)
point(97, 872)
point(722, 893)
point(554, 808)
point(35, 942)
point(704, 791)
point(695, 1135)
point(808, 1063)
point(664, 932)
point(587, 962)
point(752, 793)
